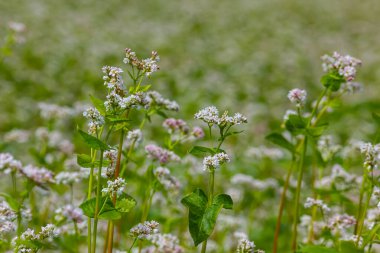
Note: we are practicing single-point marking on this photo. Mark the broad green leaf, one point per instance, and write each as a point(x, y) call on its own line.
point(107, 209)
point(295, 124)
point(317, 249)
point(201, 151)
point(99, 105)
point(280, 140)
point(125, 203)
point(202, 217)
point(92, 141)
point(349, 247)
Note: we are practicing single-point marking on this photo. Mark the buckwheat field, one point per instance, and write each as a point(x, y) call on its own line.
point(163, 126)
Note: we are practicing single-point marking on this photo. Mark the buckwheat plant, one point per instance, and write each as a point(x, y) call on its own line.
point(123, 114)
point(203, 209)
point(305, 130)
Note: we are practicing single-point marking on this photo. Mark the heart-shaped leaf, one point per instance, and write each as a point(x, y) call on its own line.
point(203, 215)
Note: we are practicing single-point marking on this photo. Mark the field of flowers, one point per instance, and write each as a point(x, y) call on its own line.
point(189, 126)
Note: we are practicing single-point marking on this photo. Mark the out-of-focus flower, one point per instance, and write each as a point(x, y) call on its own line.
point(162, 155)
point(298, 97)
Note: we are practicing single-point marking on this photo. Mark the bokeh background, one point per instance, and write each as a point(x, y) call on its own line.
point(241, 55)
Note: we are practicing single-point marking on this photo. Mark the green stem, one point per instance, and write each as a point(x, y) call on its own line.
point(298, 193)
point(282, 204)
point(361, 221)
point(98, 191)
point(210, 199)
point(133, 244)
point(362, 188)
point(89, 193)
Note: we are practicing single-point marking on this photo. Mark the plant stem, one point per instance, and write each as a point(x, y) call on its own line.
point(98, 186)
point(361, 221)
point(109, 237)
point(282, 204)
point(362, 188)
point(210, 198)
point(298, 193)
point(89, 193)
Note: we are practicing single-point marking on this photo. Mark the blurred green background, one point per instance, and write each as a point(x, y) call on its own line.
point(241, 55)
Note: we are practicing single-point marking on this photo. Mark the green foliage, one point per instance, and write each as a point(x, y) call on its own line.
point(93, 142)
point(202, 216)
point(280, 140)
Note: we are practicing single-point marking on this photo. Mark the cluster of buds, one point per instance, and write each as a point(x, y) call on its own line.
point(144, 230)
point(160, 154)
point(211, 163)
point(148, 66)
point(134, 137)
point(179, 129)
point(210, 115)
point(343, 65)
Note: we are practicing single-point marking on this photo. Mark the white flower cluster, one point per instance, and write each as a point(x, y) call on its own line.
point(164, 243)
point(112, 78)
point(23, 244)
point(310, 202)
point(211, 163)
point(169, 182)
point(245, 246)
point(7, 218)
point(298, 97)
point(96, 120)
point(115, 187)
point(210, 115)
point(372, 155)
point(38, 175)
point(344, 65)
point(8, 164)
point(17, 135)
point(144, 230)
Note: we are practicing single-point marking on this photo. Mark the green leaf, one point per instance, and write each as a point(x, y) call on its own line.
point(316, 131)
point(107, 209)
point(233, 133)
point(92, 141)
point(332, 81)
point(349, 247)
point(296, 124)
point(99, 105)
point(85, 161)
point(201, 151)
point(280, 140)
point(317, 249)
point(125, 203)
point(202, 217)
